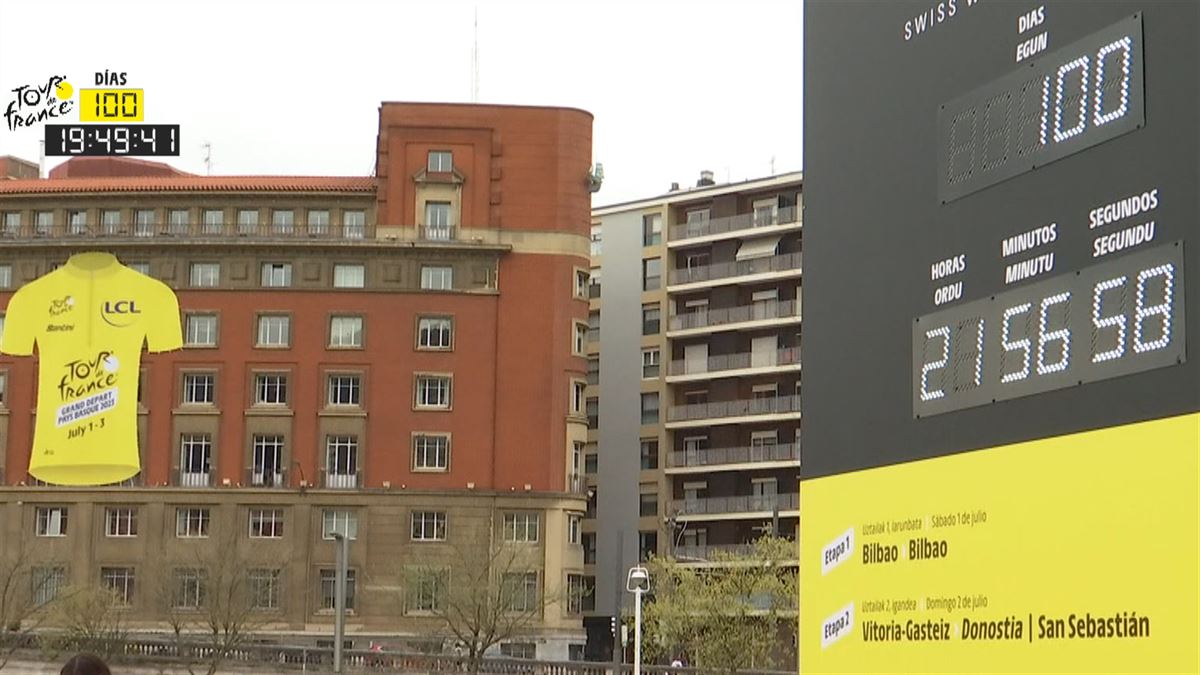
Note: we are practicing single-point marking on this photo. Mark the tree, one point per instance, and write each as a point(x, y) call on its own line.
point(484, 595)
point(738, 613)
point(26, 589)
point(216, 600)
point(87, 619)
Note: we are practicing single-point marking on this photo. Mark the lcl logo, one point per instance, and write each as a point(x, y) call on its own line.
point(118, 313)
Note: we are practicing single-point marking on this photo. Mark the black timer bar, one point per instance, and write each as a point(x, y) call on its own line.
point(112, 140)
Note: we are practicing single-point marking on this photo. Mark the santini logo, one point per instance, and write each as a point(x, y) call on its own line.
point(119, 313)
point(837, 626)
point(837, 552)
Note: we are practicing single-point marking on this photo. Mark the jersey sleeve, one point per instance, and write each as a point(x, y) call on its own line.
point(164, 331)
point(20, 324)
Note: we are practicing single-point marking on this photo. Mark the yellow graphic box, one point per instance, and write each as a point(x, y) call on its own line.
point(1073, 554)
point(89, 320)
point(111, 105)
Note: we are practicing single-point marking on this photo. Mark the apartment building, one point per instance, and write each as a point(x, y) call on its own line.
point(693, 379)
point(400, 357)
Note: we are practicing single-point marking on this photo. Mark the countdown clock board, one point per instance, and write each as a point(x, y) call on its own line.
point(1001, 381)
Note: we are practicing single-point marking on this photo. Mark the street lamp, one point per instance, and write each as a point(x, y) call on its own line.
point(339, 597)
point(638, 583)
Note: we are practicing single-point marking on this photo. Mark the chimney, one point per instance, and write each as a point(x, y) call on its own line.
point(706, 178)
point(674, 187)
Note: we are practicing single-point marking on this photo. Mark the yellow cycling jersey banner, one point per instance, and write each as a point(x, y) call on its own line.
point(1074, 554)
point(89, 320)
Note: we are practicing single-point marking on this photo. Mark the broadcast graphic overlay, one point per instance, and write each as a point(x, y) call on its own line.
point(1001, 418)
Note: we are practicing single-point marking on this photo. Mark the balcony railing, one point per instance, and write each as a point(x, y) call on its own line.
point(189, 230)
point(271, 478)
point(743, 221)
point(747, 454)
point(737, 268)
point(593, 290)
point(745, 504)
point(576, 484)
point(737, 408)
point(706, 551)
point(341, 481)
point(759, 311)
point(437, 232)
point(193, 479)
point(738, 361)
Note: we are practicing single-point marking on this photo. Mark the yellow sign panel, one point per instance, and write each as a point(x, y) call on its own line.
point(111, 105)
point(1075, 554)
point(89, 320)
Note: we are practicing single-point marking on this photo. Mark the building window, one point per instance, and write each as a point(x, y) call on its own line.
point(191, 588)
point(433, 391)
point(589, 548)
point(265, 588)
point(597, 246)
point(592, 408)
point(248, 221)
point(651, 274)
point(697, 216)
point(274, 330)
point(267, 463)
point(579, 343)
point(110, 221)
point(346, 332)
point(593, 370)
point(143, 222)
point(318, 222)
point(437, 220)
point(650, 363)
point(192, 522)
point(650, 407)
point(77, 221)
point(521, 527)
point(652, 229)
point(574, 528)
point(329, 589)
point(431, 453)
point(266, 523)
point(575, 593)
point(195, 460)
point(647, 545)
point(426, 590)
point(178, 221)
point(522, 591)
point(276, 275)
point(582, 280)
point(271, 389)
point(345, 390)
point(47, 582)
point(435, 332)
point(214, 221)
point(205, 275)
point(440, 161)
point(591, 463)
point(12, 223)
point(349, 275)
point(120, 521)
point(354, 224)
point(578, 389)
point(44, 222)
point(120, 582)
point(649, 453)
point(201, 330)
point(429, 526)
point(5, 276)
point(648, 504)
point(519, 650)
point(340, 521)
point(199, 388)
point(437, 278)
point(341, 462)
point(283, 221)
point(51, 521)
point(651, 315)
point(140, 267)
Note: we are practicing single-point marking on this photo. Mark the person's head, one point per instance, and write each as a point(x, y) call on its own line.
point(85, 664)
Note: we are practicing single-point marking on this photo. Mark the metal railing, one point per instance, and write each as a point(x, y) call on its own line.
point(341, 481)
point(737, 361)
point(437, 232)
point(193, 479)
point(705, 551)
point(742, 221)
point(188, 230)
point(271, 478)
point(759, 311)
point(737, 268)
point(746, 454)
point(737, 408)
point(789, 501)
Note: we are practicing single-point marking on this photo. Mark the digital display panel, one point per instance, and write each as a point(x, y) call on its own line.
point(1123, 316)
point(111, 105)
point(68, 140)
point(1072, 99)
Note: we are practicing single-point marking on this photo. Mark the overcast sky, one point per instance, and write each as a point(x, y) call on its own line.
point(282, 87)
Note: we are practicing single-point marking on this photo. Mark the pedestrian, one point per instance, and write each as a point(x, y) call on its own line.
point(85, 664)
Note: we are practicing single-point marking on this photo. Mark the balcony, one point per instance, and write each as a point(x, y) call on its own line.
point(138, 231)
point(593, 290)
point(702, 459)
point(193, 479)
point(577, 484)
point(341, 481)
point(770, 312)
point(732, 226)
point(729, 412)
point(769, 267)
point(437, 232)
point(270, 478)
point(733, 365)
point(705, 552)
point(731, 508)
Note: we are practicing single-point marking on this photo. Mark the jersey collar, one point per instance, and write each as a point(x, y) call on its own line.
point(92, 264)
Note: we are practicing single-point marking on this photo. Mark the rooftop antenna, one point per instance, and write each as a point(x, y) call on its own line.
point(207, 158)
point(772, 165)
point(475, 60)
point(42, 159)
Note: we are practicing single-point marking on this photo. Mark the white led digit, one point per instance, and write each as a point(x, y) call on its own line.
point(1023, 344)
point(1045, 108)
point(979, 355)
point(1062, 335)
point(1059, 134)
point(1162, 309)
point(1101, 322)
point(1125, 45)
point(967, 148)
point(944, 333)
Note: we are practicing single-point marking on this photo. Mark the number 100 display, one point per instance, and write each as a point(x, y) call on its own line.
point(1116, 318)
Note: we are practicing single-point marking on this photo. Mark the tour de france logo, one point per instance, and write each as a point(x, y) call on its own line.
point(45, 101)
